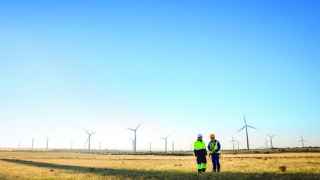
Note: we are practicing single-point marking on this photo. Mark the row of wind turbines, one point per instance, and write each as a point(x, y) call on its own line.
point(245, 128)
point(134, 141)
point(269, 139)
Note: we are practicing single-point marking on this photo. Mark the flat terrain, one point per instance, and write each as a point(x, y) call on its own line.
point(64, 165)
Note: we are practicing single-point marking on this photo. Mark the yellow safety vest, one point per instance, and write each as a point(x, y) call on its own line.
point(198, 145)
point(214, 147)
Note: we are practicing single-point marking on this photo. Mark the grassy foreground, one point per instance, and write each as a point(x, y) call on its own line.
point(50, 165)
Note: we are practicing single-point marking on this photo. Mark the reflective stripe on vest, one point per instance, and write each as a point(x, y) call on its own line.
point(214, 147)
point(198, 145)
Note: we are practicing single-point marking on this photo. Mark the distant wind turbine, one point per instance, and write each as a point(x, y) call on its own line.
point(238, 144)
point(271, 136)
point(302, 141)
point(233, 142)
point(90, 134)
point(266, 143)
point(150, 147)
point(245, 127)
point(165, 143)
point(172, 146)
point(134, 130)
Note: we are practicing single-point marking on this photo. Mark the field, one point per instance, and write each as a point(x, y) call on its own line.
point(66, 165)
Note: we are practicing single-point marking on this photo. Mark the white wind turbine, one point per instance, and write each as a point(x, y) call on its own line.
point(90, 134)
point(271, 136)
point(245, 127)
point(134, 130)
point(165, 143)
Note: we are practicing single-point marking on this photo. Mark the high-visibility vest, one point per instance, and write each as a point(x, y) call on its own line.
point(213, 147)
point(198, 145)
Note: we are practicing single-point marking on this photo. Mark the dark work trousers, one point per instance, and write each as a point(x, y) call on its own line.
point(201, 163)
point(215, 162)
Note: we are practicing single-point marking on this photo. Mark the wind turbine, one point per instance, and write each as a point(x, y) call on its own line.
point(233, 142)
point(134, 130)
point(266, 143)
point(246, 126)
point(90, 134)
point(302, 141)
point(165, 143)
point(150, 146)
point(238, 143)
point(271, 136)
point(172, 146)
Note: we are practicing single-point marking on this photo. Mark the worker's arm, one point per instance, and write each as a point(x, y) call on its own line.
point(209, 149)
point(219, 147)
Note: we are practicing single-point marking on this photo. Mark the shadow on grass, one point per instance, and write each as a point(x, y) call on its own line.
point(144, 174)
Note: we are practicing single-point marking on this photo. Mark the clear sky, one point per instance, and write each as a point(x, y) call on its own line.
point(179, 67)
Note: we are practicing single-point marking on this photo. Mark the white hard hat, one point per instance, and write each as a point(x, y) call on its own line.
point(199, 135)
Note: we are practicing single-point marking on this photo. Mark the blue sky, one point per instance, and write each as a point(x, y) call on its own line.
point(180, 68)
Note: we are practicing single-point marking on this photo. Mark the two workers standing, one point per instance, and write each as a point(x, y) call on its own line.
point(200, 151)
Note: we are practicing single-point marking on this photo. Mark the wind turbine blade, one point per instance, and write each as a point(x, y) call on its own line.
point(130, 129)
point(244, 119)
point(241, 128)
point(251, 127)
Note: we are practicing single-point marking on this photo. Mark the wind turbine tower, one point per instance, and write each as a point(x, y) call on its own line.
point(271, 140)
point(32, 144)
point(165, 143)
point(266, 143)
point(302, 141)
point(172, 145)
point(245, 127)
point(134, 130)
point(238, 144)
point(233, 142)
point(150, 147)
point(90, 134)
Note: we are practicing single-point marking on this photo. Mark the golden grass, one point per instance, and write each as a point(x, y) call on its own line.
point(58, 165)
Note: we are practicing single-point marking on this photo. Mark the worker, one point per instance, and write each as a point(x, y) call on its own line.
point(214, 152)
point(200, 152)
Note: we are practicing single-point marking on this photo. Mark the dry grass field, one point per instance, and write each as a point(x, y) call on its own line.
point(64, 165)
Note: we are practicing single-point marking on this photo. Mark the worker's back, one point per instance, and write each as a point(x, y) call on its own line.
point(200, 152)
point(200, 148)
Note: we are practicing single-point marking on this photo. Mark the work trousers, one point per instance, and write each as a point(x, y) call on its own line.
point(215, 162)
point(201, 163)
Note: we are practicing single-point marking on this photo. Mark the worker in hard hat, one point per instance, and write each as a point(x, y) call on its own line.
point(214, 152)
point(200, 152)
